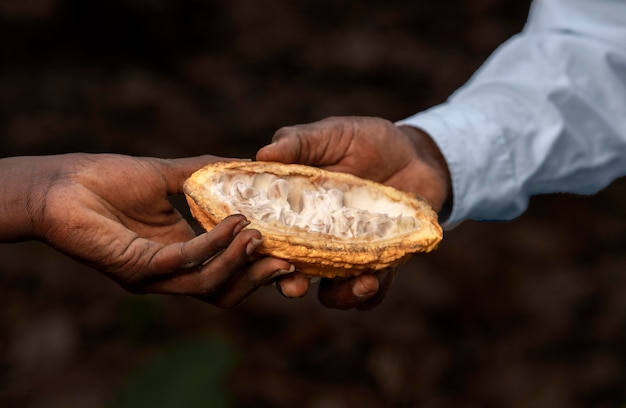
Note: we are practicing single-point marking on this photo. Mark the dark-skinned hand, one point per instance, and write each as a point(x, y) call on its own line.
point(374, 148)
point(112, 213)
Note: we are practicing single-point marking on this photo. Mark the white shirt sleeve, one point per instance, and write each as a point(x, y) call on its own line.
point(546, 113)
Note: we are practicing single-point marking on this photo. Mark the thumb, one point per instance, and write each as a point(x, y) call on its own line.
point(321, 143)
point(285, 148)
point(176, 171)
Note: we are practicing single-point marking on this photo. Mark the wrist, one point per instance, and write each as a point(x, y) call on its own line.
point(23, 197)
point(16, 189)
point(434, 182)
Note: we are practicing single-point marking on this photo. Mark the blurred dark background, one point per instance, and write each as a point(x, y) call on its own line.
point(530, 313)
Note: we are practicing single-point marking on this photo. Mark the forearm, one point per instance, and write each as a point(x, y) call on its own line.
point(544, 114)
point(26, 181)
point(22, 200)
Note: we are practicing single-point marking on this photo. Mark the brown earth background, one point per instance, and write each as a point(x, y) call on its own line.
point(529, 313)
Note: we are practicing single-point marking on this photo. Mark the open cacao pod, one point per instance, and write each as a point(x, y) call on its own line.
point(326, 223)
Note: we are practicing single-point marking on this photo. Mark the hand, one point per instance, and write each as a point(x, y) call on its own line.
point(373, 148)
point(112, 212)
point(363, 292)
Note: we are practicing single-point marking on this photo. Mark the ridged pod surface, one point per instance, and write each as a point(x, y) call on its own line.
point(328, 224)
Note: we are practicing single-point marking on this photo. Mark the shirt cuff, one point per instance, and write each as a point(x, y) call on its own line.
point(479, 159)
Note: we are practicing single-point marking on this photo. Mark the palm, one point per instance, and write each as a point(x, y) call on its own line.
point(121, 202)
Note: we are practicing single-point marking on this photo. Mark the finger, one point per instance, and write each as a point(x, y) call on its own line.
point(285, 148)
point(294, 285)
point(321, 143)
point(193, 253)
point(347, 293)
point(240, 286)
point(214, 273)
point(176, 171)
point(385, 280)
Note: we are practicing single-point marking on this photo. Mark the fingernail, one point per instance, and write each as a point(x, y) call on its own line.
point(253, 245)
point(242, 224)
point(282, 272)
point(360, 290)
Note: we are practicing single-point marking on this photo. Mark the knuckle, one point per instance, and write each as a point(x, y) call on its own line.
point(260, 275)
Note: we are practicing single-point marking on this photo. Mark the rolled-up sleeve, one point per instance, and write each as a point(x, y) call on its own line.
point(546, 113)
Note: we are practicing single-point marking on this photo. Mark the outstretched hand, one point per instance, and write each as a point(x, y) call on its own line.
point(112, 212)
point(373, 148)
